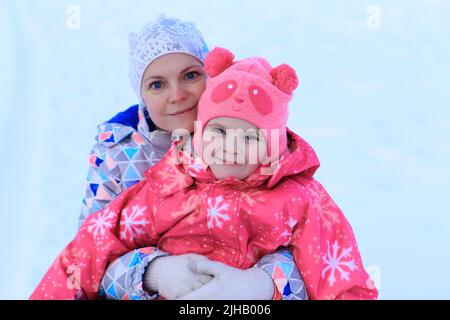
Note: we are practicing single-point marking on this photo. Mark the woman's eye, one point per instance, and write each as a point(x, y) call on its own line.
point(191, 75)
point(156, 85)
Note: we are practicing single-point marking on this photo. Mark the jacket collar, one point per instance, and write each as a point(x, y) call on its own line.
point(158, 138)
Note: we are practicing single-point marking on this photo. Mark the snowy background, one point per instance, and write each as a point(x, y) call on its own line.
point(374, 102)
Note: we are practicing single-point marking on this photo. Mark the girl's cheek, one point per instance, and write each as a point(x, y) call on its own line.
point(252, 154)
point(207, 149)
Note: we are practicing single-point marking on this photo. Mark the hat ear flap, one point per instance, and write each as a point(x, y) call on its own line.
point(284, 78)
point(217, 61)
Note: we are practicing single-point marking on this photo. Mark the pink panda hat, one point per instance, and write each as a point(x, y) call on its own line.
point(250, 90)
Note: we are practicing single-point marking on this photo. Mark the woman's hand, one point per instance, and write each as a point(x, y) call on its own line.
point(230, 283)
point(171, 276)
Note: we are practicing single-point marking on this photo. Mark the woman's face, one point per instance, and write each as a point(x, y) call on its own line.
point(232, 147)
point(171, 88)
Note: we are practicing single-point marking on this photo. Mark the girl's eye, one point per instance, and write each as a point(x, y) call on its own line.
point(156, 85)
point(220, 130)
point(216, 130)
point(191, 75)
point(251, 138)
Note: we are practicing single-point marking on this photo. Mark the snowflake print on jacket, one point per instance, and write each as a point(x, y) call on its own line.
point(133, 223)
point(216, 207)
point(101, 223)
point(335, 263)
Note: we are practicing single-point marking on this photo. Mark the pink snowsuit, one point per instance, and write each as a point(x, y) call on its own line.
point(181, 208)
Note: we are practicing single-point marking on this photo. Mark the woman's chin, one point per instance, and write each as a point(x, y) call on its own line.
point(182, 122)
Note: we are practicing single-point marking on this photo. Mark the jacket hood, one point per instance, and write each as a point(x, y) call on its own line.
point(300, 158)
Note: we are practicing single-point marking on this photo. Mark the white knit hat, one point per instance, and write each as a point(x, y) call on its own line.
point(163, 36)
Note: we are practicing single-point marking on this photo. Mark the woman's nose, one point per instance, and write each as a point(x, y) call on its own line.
point(177, 93)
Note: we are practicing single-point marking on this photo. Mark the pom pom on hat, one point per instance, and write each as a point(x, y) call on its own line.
point(217, 61)
point(284, 78)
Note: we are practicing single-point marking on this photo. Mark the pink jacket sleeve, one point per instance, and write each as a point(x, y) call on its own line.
point(325, 249)
point(77, 272)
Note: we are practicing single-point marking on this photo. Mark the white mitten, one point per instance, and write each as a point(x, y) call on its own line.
point(171, 277)
point(231, 283)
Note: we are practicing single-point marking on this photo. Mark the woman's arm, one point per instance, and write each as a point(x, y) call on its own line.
point(121, 280)
point(102, 182)
point(287, 279)
point(124, 278)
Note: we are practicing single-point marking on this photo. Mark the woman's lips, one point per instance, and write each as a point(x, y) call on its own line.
point(181, 111)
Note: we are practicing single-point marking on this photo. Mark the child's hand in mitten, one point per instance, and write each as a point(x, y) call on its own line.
point(231, 283)
point(171, 277)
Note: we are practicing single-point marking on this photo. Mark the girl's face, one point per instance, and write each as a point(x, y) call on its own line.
point(171, 88)
point(232, 147)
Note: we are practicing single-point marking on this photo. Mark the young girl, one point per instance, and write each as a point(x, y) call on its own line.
point(166, 72)
point(226, 211)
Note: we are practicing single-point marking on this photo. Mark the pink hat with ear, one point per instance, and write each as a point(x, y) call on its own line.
point(250, 90)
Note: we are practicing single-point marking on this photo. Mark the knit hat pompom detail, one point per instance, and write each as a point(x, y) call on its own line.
point(284, 78)
point(217, 61)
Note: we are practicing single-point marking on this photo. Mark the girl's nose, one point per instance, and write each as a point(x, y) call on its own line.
point(238, 100)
